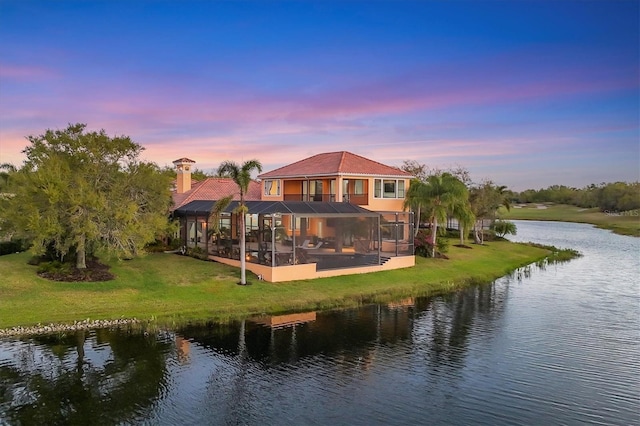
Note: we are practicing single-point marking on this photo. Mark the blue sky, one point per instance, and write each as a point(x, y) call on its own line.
point(527, 94)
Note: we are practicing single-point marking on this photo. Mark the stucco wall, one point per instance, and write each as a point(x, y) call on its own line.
point(308, 270)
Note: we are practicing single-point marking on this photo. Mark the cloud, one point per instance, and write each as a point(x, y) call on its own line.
point(24, 73)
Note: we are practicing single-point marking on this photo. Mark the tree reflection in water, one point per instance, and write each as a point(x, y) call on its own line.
point(101, 377)
point(441, 325)
point(107, 377)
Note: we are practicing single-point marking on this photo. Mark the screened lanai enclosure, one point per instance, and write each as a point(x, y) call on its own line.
point(281, 233)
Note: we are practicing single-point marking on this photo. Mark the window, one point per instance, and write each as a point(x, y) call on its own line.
point(272, 187)
point(358, 187)
point(315, 190)
point(388, 188)
point(400, 188)
point(299, 223)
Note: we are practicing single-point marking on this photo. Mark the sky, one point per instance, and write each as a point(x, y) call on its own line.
point(524, 93)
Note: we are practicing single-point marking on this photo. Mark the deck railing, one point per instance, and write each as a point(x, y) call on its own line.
point(360, 199)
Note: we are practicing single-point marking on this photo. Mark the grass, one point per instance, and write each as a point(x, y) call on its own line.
point(624, 223)
point(169, 289)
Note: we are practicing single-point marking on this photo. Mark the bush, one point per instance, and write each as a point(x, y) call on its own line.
point(13, 246)
point(54, 267)
point(503, 227)
point(198, 253)
point(442, 245)
point(423, 244)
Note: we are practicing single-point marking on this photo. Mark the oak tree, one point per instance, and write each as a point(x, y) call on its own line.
point(79, 192)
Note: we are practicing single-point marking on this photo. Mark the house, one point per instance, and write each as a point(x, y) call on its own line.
point(330, 214)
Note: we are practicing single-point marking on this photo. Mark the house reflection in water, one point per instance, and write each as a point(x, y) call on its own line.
point(183, 349)
point(282, 321)
point(409, 302)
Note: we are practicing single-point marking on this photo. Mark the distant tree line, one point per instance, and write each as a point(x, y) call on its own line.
point(617, 196)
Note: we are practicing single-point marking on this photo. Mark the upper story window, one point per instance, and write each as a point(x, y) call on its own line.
point(388, 188)
point(272, 187)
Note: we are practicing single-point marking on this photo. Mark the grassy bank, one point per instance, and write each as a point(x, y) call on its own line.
point(624, 223)
point(169, 288)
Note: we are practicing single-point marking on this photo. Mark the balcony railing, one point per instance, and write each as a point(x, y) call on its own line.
point(310, 197)
point(360, 199)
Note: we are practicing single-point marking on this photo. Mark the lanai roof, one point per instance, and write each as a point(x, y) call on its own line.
point(203, 207)
point(215, 189)
point(335, 163)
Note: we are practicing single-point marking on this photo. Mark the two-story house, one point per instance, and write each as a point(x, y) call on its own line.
point(330, 214)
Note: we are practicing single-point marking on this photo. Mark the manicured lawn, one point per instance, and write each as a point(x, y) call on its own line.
point(168, 288)
point(625, 223)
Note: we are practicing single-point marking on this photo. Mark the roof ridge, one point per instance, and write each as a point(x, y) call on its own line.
point(377, 162)
point(343, 154)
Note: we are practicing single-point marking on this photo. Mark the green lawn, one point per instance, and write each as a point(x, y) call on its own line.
point(168, 288)
point(625, 223)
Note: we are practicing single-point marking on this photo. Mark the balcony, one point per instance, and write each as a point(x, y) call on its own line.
point(360, 199)
point(310, 197)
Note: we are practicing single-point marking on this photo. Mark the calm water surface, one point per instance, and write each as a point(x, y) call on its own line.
point(556, 344)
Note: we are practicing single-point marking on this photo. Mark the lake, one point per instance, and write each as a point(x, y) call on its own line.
point(548, 344)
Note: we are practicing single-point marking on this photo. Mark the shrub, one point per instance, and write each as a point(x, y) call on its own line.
point(503, 227)
point(423, 244)
point(13, 246)
point(54, 267)
point(198, 253)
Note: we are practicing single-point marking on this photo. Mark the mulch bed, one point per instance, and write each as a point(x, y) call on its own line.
point(95, 272)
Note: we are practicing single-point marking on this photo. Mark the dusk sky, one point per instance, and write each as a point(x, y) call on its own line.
point(525, 93)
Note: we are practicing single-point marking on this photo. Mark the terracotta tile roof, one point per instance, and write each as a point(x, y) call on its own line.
point(213, 189)
point(335, 163)
point(183, 160)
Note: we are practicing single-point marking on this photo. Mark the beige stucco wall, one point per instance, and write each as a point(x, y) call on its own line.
point(308, 271)
point(385, 204)
point(291, 186)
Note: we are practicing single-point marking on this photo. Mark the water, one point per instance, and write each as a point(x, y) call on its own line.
point(557, 345)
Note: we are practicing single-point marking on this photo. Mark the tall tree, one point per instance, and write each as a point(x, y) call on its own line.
point(461, 210)
point(415, 200)
point(241, 175)
point(417, 170)
point(81, 191)
point(486, 199)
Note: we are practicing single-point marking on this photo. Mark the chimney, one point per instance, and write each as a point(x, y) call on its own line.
point(183, 171)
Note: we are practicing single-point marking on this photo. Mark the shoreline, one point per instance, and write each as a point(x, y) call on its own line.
point(621, 223)
point(150, 293)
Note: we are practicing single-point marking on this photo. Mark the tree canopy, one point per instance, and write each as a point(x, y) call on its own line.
point(79, 192)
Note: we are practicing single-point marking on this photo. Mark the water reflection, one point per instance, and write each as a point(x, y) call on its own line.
point(548, 344)
point(104, 376)
point(441, 325)
point(113, 376)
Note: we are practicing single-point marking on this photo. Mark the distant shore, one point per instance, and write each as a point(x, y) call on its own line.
point(623, 223)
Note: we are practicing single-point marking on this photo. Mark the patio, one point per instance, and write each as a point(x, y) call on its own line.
point(286, 233)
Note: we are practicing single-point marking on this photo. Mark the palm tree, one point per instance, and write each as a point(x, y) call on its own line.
point(415, 200)
point(241, 175)
point(462, 211)
point(440, 194)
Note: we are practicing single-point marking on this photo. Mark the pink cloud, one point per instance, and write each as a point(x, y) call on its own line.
point(24, 73)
